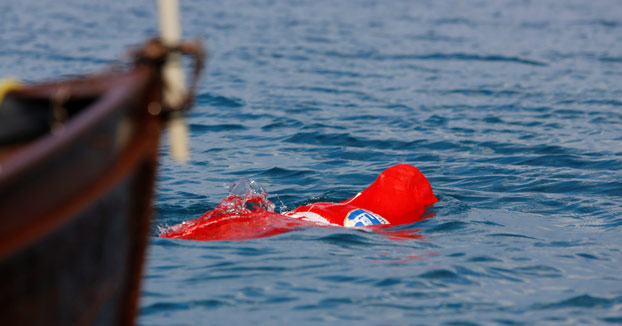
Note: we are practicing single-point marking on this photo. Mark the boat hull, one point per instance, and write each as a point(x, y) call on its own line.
point(75, 205)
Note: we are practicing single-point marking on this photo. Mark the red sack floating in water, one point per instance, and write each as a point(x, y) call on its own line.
point(398, 196)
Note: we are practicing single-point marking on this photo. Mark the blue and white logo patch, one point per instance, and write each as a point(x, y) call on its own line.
point(361, 217)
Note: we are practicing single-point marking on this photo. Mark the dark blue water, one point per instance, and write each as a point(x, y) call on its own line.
point(512, 109)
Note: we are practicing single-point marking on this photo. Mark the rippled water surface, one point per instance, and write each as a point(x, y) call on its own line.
point(512, 109)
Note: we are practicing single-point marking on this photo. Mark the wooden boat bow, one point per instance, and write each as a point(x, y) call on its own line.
point(76, 189)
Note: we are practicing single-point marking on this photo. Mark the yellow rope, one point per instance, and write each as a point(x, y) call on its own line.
point(7, 85)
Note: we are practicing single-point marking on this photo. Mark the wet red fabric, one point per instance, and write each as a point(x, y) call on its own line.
point(235, 218)
point(398, 196)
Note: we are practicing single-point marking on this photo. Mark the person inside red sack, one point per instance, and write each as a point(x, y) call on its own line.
point(398, 196)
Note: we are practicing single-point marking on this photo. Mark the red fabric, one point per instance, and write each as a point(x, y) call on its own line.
point(231, 220)
point(398, 196)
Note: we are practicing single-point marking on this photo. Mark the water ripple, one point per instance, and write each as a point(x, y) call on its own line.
point(581, 301)
point(219, 100)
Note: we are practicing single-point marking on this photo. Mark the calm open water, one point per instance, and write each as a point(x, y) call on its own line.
point(512, 109)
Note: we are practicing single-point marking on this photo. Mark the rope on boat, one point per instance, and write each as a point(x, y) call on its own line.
point(156, 52)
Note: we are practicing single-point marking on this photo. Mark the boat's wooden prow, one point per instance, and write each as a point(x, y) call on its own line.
point(76, 190)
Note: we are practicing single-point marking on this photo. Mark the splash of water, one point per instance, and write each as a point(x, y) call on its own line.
point(248, 194)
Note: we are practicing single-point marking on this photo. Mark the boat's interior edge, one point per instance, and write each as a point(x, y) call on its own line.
point(30, 112)
point(24, 119)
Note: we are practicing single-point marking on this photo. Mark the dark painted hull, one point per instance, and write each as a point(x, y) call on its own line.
point(75, 200)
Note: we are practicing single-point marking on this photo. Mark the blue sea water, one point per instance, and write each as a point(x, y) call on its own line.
point(512, 109)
